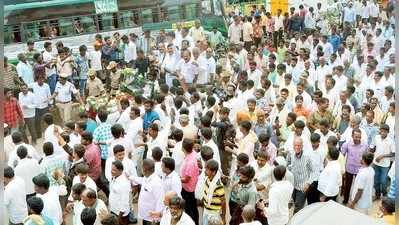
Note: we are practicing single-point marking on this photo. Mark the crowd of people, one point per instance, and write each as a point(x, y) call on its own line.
point(298, 111)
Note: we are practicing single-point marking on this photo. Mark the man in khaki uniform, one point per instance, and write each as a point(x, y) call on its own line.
point(94, 86)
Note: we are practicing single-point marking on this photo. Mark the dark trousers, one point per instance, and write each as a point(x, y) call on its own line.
point(30, 124)
point(313, 195)
point(191, 205)
point(299, 200)
point(346, 187)
point(102, 182)
point(277, 37)
point(38, 120)
point(247, 45)
point(334, 198)
point(235, 213)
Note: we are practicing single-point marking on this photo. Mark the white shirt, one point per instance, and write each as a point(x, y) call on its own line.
point(50, 137)
point(234, 33)
point(279, 196)
point(27, 169)
point(317, 157)
point(171, 182)
point(130, 52)
point(208, 67)
point(48, 57)
point(129, 167)
point(170, 62)
point(52, 206)
point(215, 149)
point(184, 219)
point(188, 70)
point(126, 142)
point(119, 191)
point(89, 183)
point(13, 158)
point(95, 60)
point(364, 180)
point(247, 31)
point(178, 155)
point(330, 179)
point(150, 197)
point(64, 92)
point(79, 206)
point(255, 76)
point(278, 22)
point(25, 71)
point(27, 103)
point(133, 129)
point(41, 93)
point(15, 200)
point(382, 147)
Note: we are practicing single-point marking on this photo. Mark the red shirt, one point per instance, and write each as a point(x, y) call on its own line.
point(12, 113)
point(190, 168)
point(93, 159)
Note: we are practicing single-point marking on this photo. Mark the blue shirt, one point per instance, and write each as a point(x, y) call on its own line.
point(91, 125)
point(149, 117)
point(46, 219)
point(371, 131)
point(102, 134)
point(335, 41)
point(83, 64)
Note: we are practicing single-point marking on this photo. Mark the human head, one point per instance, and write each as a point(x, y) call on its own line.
point(35, 205)
point(82, 170)
point(8, 174)
point(367, 158)
point(117, 168)
point(356, 135)
point(157, 154)
point(206, 153)
point(176, 206)
point(246, 173)
point(41, 183)
point(88, 216)
point(187, 145)
point(262, 158)
point(387, 206)
point(279, 172)
point(298, 145)
point(148, 167)
point(168, 165)
point(87, 138)
point(333, 153)
point(248, 213)
point(211, 168)
point(89, 197)
point(77, 190)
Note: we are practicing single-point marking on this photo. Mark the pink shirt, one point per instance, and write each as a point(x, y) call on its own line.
point(190, 168)
point(93, 159)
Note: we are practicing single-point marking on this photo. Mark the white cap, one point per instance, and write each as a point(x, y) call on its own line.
point(281, 161)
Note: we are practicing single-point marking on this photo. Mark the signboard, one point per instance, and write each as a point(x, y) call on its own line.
point(106, 6)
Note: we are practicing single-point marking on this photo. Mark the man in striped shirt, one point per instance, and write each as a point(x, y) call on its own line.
point(213, 196)
point(300, 164)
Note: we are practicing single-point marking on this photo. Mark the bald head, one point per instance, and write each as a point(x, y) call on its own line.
point(168, 196)
point(248, 213)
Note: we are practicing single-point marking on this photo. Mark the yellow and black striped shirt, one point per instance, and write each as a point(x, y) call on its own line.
point(217, 198)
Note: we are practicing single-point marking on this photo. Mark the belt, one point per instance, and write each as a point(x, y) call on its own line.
point(64, 102)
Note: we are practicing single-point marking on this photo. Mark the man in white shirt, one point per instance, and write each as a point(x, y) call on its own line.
point(176, 214)
point(50, 197)
point(41, 92)
point(197, 32)
point(330, 179)
point(362, 189)
point(187, 69)
point(27, 102)
point(119, 191)
point(169, 64)
point(209, 67)
point(27, 168)
point(49, 56)
point(14, 197)
point(151, 194)
point(349, 14)
point(384, 150)
point(317, 155)
point(235, 30)
point(82, 177)
point(207, 136)
point(278, 28)
point(129, 50)
point(280, 193)
point(88, 200)
point(63, 97)
point(247, 32)
point(17, 139)
point(24, 69)
point(170, 178)
point(129, 167)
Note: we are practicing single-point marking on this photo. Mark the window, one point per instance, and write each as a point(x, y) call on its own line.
point(12, 34)
point(66, 27)
point(191, 11)
point(106, 22)
point(206, 7)
point(31, 31)
point(173, 13)
point(146, 16)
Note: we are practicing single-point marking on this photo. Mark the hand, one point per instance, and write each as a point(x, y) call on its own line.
point(351, 204)
point(260, 205)
point(103, 214)
point(306, 188)
point(69, 207)
point(379, 158)
point(155, 215)
point(323, 198)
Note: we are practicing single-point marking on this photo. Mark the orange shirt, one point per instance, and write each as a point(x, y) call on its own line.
point(301, 111)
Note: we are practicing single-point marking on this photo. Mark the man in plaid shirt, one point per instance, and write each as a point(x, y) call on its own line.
point(13, 115)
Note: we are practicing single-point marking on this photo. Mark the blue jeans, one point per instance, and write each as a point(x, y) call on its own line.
point(52, 81)
point(380, 179)
point(82, 86)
